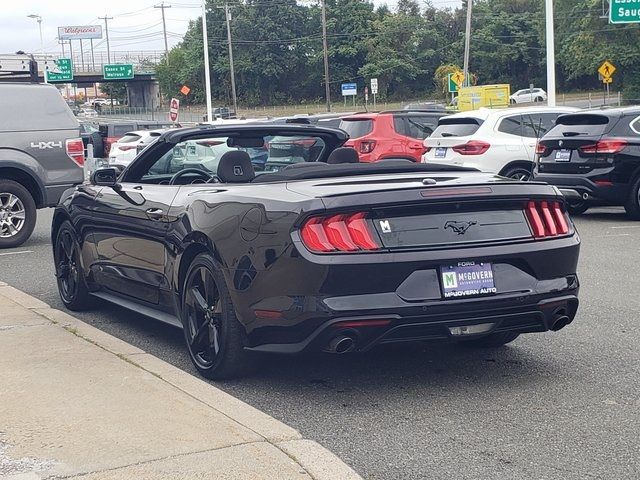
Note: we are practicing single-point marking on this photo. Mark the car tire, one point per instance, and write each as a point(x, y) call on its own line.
point(17, 214)
point(518, 173)
point(97, 141)
point(577, 208)
point(493, 340)
point(215, 338)
point(632, 207)
point(539, 99)
point(70, 278)
point(512, 102)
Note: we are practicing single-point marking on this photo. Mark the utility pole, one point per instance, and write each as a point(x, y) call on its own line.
point(207, 73)
point(233, 73)
point(467, 45)
point(325, 49)
point(551, 55)
point(164, 25)
point(106, 30)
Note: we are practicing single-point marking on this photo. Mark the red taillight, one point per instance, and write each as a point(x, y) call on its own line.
point(610, 146)
point(75, 150)
point(367, 146)
point(472, 147)
point(541, 149)
point(124, 148)
point(547, 219)
point(338, 233)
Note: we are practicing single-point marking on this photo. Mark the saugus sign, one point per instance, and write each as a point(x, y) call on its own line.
point(624, 11)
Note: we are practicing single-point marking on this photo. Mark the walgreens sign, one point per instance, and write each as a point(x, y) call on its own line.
point(81, 32)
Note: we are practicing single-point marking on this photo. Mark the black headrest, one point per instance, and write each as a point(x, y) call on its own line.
point(343, 155)
point(235, 167)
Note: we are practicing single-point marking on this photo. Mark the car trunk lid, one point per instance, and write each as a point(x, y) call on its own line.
point(444, 210)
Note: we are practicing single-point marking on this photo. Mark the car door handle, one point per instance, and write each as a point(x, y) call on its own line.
point(155, 213)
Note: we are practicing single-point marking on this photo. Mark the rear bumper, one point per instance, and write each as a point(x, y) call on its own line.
point(586, 188)
point(507, 315)
point(303, 309)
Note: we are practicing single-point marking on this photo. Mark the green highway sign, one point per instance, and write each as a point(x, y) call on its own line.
point(62, 72)
point(120, 71)
point(624, 11)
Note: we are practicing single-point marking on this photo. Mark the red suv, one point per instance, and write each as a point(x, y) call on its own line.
point(377, 136)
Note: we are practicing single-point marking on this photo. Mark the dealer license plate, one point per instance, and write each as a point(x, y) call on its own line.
point(467, 279)
point(441, 152)
point(563, 155)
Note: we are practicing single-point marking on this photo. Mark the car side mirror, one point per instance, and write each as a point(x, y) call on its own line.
point(105, 177)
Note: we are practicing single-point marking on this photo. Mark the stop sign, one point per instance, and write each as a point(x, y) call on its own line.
point(174, 107)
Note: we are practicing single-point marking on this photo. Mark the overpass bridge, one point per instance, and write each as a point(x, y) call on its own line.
point(142, 89)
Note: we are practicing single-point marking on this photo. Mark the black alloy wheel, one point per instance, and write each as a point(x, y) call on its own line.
point(203, 312)
point(214, 337)
point(69, 273)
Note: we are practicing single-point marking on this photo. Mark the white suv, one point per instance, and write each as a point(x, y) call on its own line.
point(528, 95)
point(499, 141)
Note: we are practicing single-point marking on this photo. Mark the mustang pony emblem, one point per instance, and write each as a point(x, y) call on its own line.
point(459, 227)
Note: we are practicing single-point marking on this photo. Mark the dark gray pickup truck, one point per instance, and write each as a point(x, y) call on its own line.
point(41, 155)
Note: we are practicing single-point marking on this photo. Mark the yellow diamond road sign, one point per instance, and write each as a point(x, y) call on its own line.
point(607, 69)
point(458, 78)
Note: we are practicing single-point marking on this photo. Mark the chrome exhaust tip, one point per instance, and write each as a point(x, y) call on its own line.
point(341, 344)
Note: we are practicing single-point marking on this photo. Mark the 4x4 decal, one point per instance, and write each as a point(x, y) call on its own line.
point(46, 145)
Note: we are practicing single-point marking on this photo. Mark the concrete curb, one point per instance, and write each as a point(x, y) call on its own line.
point(316, 460)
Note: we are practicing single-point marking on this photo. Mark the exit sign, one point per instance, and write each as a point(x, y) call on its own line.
point(62, 72)
point(624, 11)
point(119, 71)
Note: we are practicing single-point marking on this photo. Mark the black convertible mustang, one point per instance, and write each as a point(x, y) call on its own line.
point(315, 251)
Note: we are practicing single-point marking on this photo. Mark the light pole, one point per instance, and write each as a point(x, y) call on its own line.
point(207, 73)
point(39, 20)
point(551, 55)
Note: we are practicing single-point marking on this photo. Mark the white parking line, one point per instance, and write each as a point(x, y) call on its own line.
point(15, 253)
point(626, 226)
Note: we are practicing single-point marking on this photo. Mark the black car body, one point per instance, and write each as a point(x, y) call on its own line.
point(594, 158)
point(318, 255)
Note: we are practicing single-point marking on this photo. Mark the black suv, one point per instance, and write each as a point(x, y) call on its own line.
point(593, 157)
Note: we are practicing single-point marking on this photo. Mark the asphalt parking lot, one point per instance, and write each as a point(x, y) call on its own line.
point(560, 405)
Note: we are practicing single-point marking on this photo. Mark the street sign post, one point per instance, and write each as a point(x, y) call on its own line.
point(374, 90)
point(174, 109)
point(119, 71)
point(63, 71)
point(349, 90)
point(606, 71)
point(627, 13)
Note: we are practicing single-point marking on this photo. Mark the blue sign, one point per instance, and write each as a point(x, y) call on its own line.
point(349, 89)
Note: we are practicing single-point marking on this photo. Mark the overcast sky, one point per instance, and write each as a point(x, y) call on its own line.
point(136, 24)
